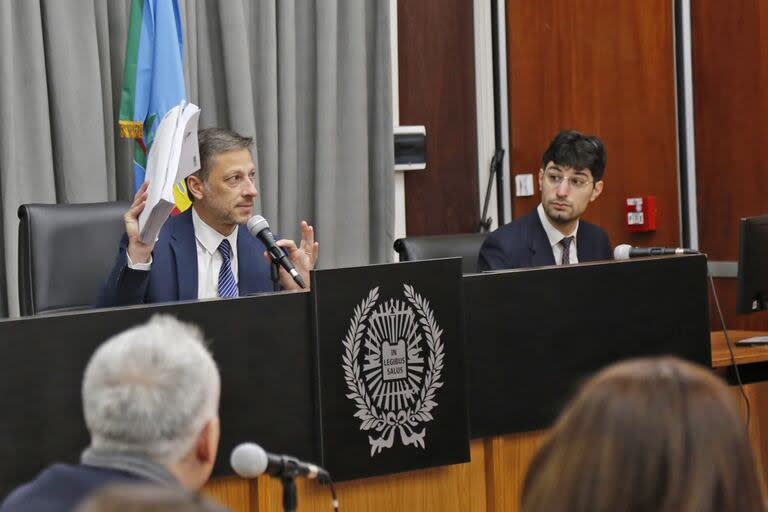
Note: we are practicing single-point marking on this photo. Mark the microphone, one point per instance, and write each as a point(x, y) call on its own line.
point(258, 227)
point(249, 460)
point(626, 251)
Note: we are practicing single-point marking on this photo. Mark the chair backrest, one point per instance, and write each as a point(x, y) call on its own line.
point(65, 253)
point(443, 246)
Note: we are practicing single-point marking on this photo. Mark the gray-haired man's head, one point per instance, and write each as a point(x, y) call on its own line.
point(151, 391)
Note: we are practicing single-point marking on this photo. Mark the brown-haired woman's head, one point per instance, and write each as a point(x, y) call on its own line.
point(659, 435)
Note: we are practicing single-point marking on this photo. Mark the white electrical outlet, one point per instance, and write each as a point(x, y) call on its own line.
point(523, 185)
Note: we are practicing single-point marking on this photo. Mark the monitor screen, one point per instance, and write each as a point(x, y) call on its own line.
point(752, 292)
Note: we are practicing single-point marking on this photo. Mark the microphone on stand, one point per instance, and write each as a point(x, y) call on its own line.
point(626, 251)
point(249, 460)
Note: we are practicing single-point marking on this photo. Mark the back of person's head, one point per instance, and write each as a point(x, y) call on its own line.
point(151, 390)
point(570, 148)
point(145, 498)
point(648, 435)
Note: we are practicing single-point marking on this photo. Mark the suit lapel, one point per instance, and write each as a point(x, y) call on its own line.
point(185, 253)
point(583, 246)
point(248, 248)
point(538, 243)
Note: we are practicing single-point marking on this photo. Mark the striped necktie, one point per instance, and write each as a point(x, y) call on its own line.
point(566, 243)
point(227, 284)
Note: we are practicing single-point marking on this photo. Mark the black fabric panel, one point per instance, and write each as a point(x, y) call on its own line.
point(534, 335)
point(262, 345)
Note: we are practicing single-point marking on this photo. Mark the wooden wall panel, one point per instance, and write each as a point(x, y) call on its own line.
point(730, 79)
point(758, 424)
point(605, 68)
point(437, 89)
point(237, 494)
point(507, 460)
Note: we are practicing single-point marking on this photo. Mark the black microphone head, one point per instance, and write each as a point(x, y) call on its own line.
point(621, 252)
point(249, 460)
point(257, 224)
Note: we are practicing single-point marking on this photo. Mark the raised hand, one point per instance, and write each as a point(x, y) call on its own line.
point(304, 256)
point(138, 251)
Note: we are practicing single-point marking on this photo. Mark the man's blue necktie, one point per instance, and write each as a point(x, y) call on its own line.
point(227, 284)
point(566, 243)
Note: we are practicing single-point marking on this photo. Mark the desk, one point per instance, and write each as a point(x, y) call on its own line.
point(524, 363)
point(721, 357)
point(753, 368)
point(494, 477)
point(752, 361)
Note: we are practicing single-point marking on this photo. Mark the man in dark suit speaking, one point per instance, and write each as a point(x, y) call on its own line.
point(206, 251)
point(571, 177)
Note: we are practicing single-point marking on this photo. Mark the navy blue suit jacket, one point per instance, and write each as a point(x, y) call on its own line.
point(524, 243)
point(60, 488)
point(173, 274)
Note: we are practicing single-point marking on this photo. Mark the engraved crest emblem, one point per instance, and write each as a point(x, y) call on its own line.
point(393, 361)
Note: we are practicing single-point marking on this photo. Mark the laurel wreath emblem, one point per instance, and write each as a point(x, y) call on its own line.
point(406, 421)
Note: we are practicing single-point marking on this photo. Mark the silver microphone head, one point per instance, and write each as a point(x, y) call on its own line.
point(257, 224)
point(621, 252)
point(249, 460)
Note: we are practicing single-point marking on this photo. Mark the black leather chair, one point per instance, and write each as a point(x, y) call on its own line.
point(65, 253)
point(442, 246)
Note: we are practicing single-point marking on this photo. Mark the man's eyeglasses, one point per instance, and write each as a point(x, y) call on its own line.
point(555, 178)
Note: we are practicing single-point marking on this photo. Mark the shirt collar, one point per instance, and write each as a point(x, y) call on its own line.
point(553, 234)
point(208, 237)
point(133, 463)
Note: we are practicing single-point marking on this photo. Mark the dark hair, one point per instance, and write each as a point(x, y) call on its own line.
point(212, 142)
point(570, 148)
point(649, 435)
point(145, 497)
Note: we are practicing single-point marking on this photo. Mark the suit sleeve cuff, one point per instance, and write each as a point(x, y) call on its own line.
point(138, 266)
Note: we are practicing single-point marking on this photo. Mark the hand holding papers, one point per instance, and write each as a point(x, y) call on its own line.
point(174, 155)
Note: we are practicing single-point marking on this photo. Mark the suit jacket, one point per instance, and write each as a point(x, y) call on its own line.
point(173, 274)
point(524, 243)
point(60, 488)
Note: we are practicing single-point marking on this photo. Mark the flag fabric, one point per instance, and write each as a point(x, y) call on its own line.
point(153, 80)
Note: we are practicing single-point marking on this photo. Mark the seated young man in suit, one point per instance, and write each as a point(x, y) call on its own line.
point(206, 251)
point(571, 177)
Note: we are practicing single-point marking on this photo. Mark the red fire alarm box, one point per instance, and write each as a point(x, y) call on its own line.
point(641, 214)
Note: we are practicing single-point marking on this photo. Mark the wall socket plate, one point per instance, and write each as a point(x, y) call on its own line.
point(523, 185)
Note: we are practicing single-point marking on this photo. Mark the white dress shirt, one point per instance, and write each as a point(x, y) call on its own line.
point(555, 236)
point(209, 259)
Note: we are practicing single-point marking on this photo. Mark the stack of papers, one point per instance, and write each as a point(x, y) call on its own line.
point(174, 155)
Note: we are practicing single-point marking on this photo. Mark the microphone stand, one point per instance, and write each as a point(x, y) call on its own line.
point(290, 502)
point(274, 274)
point(288, 478)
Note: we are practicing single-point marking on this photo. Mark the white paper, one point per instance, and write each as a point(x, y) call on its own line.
point(174, 155)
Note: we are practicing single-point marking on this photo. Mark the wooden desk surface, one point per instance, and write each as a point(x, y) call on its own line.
point(743, 355)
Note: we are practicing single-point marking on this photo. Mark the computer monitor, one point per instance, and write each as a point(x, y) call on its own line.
point(752, 284)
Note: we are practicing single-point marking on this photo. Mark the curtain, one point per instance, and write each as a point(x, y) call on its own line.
point(310, 80)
